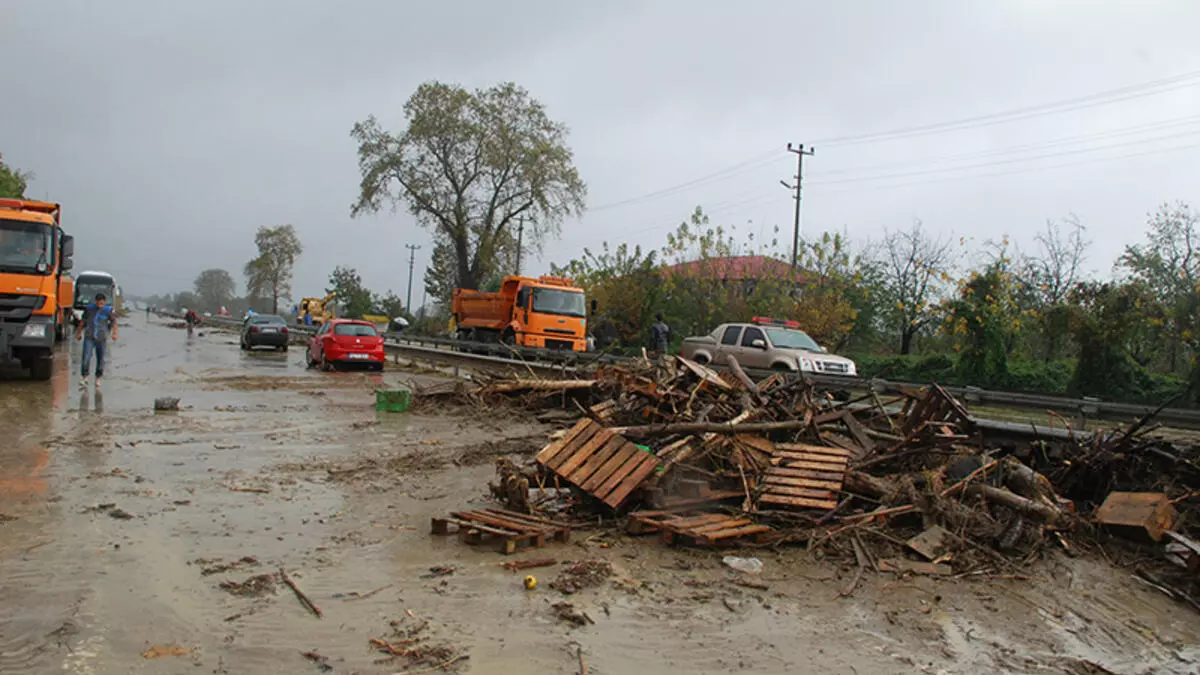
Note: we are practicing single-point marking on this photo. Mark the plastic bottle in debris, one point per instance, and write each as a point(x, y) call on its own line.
point(747, 565)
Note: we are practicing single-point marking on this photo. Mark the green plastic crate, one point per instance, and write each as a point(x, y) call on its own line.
point(393, 400)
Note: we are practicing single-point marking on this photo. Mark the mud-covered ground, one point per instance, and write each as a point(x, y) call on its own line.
point(136, 542)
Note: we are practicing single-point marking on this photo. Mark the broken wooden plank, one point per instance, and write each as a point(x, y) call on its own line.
point(902, 566)
point(933, 543)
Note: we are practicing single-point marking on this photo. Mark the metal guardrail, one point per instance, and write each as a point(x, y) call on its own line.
point(454, 353)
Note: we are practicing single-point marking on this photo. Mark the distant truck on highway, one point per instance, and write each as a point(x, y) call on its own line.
point(34, 255)
point(766, 343)
point(546, 312)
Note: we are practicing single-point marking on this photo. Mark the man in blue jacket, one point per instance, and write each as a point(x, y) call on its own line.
point(94, 329)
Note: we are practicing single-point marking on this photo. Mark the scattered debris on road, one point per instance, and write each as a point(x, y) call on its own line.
point(166, 403)
point(912, 485)
point(254, 587)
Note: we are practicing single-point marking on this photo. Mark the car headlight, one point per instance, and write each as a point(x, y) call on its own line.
point(34, 330)
point(806, 365)
point(852, 369)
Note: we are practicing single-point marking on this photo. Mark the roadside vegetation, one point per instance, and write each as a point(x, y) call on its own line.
point(491, 175)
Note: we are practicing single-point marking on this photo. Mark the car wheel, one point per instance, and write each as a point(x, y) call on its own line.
point(308, 359)
point(701, 359)
point(377, 367)
point(283, 348)
point(325, 364)
point(245, 347)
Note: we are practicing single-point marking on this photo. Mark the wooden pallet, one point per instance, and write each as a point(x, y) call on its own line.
point(699, 529)
point(599, 462)
point(804, 476)
point(508, 527)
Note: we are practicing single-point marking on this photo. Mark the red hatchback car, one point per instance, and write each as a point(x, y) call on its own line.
point(344, 341)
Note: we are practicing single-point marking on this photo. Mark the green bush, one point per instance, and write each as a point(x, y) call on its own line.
point(1037, 377)
point(920, 368)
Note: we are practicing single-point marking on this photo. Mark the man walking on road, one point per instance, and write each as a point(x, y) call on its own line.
point(94, 328)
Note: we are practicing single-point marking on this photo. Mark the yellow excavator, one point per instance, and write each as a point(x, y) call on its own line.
point(320, 309)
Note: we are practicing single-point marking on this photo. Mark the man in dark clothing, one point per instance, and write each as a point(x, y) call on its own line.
point(660, 336)
point(94, 329)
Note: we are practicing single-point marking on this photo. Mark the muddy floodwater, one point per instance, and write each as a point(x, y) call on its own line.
point(141, 542)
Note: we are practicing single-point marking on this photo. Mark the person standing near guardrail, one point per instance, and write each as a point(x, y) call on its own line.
point(660, 336)
point(97, 324)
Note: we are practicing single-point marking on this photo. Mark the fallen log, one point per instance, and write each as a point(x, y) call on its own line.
point(1026, 507)
point(710, 428)
point(539, 385)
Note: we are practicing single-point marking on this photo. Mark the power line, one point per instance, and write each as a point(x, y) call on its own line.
point(1107, 97)
point(947, 179)
point(733, 170)
point(1011, 160)
point(1069, 140)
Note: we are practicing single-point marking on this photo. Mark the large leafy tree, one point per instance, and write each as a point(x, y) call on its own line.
point(469, 165)
point(214, 288)
point(12, 181)
point(269, 275)
point(354, 298)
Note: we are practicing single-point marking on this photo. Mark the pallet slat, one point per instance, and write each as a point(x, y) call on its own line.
point(805, 502)
point(578, 450)
point(702, 529)
point(641, 473)
point(598, 459)
point(548, 452)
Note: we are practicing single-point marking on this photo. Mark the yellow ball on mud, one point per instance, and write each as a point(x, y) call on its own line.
point(530, 583)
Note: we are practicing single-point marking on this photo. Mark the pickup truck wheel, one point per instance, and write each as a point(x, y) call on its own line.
point(701, 359)
point(782, 368)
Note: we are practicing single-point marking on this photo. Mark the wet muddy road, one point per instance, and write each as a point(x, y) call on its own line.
point(135, 542)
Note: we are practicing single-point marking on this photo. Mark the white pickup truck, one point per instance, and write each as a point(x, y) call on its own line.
point(766, 343)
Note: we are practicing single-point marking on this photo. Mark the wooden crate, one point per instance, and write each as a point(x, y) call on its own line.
point(804, 476)
point(599, 462)
point(509, 528)
point(699, 529)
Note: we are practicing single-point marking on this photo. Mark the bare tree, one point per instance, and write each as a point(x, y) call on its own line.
point(915, 266)
point(1052, 272)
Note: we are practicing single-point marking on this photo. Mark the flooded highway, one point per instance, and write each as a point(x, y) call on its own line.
point(141, 542)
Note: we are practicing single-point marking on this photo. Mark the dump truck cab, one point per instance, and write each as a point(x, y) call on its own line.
point(546, 312)
point(34, 255)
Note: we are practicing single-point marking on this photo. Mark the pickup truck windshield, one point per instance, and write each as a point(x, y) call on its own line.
point(783, 338)
point(552, 301)
point(25, 247)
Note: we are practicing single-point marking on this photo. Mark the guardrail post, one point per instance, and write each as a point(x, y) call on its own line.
point(973, 395)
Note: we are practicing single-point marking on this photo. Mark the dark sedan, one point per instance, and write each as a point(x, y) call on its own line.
point(265, 330)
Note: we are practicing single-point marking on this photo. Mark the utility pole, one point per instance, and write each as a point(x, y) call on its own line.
point(800, 152)
point(520, 233)
point(412, 260)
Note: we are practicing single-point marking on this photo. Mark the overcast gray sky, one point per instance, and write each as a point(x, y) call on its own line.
point(171, 130)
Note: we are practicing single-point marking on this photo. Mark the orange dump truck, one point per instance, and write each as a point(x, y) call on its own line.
point(546, 312)
point(34, 255)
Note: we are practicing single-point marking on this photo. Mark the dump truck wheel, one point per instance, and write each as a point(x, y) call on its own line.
point(41, 369)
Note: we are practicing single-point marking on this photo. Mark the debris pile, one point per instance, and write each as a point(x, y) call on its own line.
point(911, 485)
